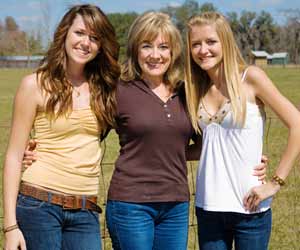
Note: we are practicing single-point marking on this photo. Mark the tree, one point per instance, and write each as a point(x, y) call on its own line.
point(34, 43)
point(122, 23)
point(245, 35)
point(207, 7)
point(265, 32)
point(17, 42)
point(46, 21)
point(292, 33)
point(10, 24)
point(180, 14)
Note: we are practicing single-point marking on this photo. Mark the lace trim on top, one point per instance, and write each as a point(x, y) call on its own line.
point(218, 117)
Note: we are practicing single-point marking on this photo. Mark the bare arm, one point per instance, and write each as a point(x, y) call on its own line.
point(25, 104)
point(266, 91)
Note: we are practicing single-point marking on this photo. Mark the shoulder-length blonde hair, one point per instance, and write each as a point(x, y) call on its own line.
point(197, 80)
point(102, 72)
point(147, 27)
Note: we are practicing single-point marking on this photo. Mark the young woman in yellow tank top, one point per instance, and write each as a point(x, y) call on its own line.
point(68, 101)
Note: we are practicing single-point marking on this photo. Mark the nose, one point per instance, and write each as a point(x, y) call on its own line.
point(86, 40)
point(155, 53)
point(203, 49)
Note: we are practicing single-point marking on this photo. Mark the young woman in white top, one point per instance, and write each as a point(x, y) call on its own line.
point(226, 99)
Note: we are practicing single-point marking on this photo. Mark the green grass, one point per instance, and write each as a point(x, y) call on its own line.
point(286, 205)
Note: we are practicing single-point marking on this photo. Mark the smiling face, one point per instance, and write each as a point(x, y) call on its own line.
point(154, 58)
point(205, 45)
point(81, 44)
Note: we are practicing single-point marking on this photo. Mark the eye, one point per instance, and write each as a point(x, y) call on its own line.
point(78, 32)
point(196, 45)
point(145, 46)
point(211, 42)
point(94, 39)
point(164, 46)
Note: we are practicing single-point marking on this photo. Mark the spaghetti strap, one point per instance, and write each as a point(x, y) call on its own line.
point(244, 74)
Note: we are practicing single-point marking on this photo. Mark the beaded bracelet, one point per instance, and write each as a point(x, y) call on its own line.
point(10, 228)
point(278, 180)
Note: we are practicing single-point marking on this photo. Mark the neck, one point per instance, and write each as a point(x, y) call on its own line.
point(76, 78)
point(153, 82)
point(75, 73)
point(217, 77)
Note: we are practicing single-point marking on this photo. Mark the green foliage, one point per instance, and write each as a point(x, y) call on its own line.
point(122, 22)
point(207, 7)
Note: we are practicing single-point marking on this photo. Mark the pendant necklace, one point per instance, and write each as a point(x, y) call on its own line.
point(76, 92)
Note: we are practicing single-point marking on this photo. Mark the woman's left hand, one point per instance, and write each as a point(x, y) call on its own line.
point(258, 194)
point(261, 169)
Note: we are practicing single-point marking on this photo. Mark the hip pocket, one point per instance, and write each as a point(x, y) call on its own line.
point(29, 202)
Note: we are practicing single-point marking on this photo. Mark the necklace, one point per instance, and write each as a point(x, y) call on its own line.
point(208, 113)
point(77, 92)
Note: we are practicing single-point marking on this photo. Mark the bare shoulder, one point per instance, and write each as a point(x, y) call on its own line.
point(255, 75)
point(258, 80)
point(29, 82)
point(29, 88)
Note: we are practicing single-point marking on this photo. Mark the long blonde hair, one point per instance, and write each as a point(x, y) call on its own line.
point(102, 72)
point(197, 81)
point(146, 27)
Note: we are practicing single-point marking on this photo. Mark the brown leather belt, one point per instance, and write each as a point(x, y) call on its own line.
point(68, 202)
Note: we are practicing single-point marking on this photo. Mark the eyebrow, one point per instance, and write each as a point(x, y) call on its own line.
point(150, 42)
point(208, 38)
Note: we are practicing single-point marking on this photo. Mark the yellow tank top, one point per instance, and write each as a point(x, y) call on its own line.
point(68, 153)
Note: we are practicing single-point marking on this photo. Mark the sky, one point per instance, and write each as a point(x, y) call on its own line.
point(31, 15)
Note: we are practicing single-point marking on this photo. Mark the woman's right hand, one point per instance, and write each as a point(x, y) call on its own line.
point(14, 240)
point(29, 154)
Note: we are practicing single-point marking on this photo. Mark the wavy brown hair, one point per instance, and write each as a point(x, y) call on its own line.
point(102, 72)
point(147, 27)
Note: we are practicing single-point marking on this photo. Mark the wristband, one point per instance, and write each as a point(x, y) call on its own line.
point(10, 228)
point(276, 179)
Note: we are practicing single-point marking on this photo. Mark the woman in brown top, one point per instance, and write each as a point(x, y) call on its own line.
point(148, 196)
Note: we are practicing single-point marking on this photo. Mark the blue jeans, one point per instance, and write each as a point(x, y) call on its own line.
point(218, 230)
point(48, 227)
point(147, 226)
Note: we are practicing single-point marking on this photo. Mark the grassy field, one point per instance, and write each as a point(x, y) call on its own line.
point(286, 205)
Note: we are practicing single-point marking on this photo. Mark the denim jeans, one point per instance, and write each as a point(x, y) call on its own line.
point(147, 226)
point(48, 227)
point(218, 230)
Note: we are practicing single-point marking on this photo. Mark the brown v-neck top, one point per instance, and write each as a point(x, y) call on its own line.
point(154, 136)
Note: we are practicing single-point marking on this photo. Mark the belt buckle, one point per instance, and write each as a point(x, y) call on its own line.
point(66, 200)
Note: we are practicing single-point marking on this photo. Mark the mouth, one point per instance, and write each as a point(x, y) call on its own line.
point(154, 65)
point(204, 59)
point(82, 52)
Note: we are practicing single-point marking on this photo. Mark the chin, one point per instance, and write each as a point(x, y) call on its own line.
point(83, 60)
point(155, 74)
point(206, 66)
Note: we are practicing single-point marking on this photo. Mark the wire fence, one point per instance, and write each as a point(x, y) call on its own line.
point(286, 207)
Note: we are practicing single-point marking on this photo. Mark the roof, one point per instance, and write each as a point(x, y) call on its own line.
point(21, 58)
point(260, 53)
point(279, 55)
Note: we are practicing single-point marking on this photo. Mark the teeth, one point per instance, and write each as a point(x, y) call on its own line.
point(83, 52)
point(153, 64)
